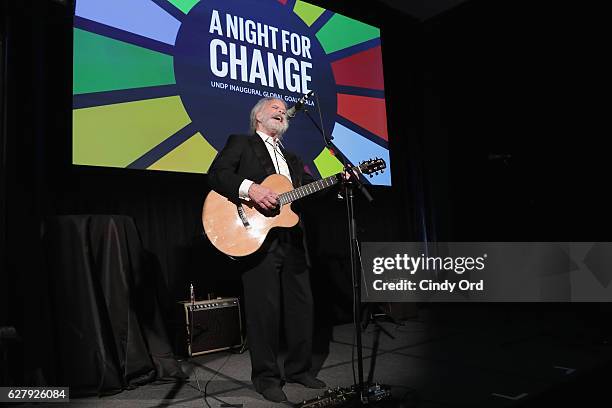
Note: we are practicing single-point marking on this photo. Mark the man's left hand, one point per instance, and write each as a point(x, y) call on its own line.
point(347, 175)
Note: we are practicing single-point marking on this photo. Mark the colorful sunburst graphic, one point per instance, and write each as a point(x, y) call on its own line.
point(138, 103)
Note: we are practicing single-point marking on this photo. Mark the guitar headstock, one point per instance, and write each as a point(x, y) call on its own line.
point(372, 166)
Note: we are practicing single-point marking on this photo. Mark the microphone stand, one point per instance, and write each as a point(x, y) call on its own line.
point(366, 393)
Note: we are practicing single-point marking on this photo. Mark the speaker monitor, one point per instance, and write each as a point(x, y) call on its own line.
point(211, 325)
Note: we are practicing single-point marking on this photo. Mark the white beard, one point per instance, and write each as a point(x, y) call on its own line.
point(279, 128)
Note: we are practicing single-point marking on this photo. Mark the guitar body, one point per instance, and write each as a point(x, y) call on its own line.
point(237, 234)
point(239, 229)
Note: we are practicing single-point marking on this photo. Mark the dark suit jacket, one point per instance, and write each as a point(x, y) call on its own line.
point(246, 157)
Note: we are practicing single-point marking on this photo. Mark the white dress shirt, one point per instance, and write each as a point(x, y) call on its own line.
point(280, 163)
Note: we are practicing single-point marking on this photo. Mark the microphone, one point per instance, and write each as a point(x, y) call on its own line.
point(292, 111)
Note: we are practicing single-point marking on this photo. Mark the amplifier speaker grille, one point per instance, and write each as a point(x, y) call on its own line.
point(211, 325)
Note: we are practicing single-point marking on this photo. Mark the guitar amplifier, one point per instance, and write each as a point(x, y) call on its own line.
point(210, 325)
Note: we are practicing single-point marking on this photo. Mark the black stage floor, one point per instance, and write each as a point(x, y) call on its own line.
point(523, 355)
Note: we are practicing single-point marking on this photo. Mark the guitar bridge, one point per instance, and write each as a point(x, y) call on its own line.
point(242, 216)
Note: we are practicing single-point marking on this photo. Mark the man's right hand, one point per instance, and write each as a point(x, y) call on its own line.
point(263, 197)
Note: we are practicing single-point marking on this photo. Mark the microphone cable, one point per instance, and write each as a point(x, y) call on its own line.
point(190, 328)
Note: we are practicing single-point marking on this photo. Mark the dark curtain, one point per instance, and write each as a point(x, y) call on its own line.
point(512, 138)
point(3, 168)
point(106, 332)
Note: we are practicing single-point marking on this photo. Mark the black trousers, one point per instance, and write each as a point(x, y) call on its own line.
point(277, 284)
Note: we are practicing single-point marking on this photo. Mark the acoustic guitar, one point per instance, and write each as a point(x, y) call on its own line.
point(238, 228)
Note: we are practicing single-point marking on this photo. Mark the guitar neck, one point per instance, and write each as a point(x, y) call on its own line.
point(308, 189)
